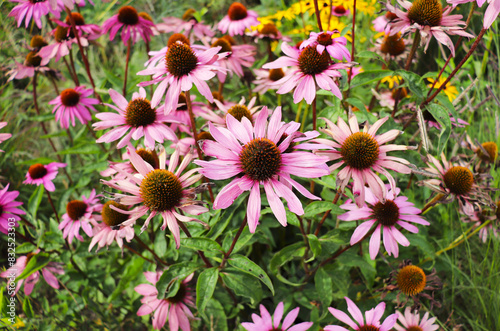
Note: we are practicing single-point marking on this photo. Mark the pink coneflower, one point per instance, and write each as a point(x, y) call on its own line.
point(336, 47)
point(340, 11)
point(79, 214)
point(135, 119)
point(181, 68)
point(133, 25)
point(62, 44)
point(109, 230)
point(8, 211)
point(32, 9)
point(381, 23)
point(187, 24)
point(268, 32)
point(491, 13)
point(371, 321)
point(119, 170)
point(73, 103)
point(174, 309)
point(260, 154)
point(181, 114)
point(4, 136)
point(238, 111)
point(267, 323)
point(43, 174)
point(362, 154)
point(87, 31)
point(32, 63)
point(410, 322)
point(396, 210)
point(238, 19)
point(428, 17)
point(266, 79)
point(29, 283)
point(393, 46)
point(313, 68)
point(160, 191)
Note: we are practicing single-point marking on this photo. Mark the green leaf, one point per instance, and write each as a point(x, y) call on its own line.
point(242, 284)
point(370, 55)
point(202, 244)
point(35, 200)
point(215, 316)
point(25, 248)
point(169, 276)
point(244, 264)
point(370, 76)
point(28, 310)
point(414, 82)
point(315, 246)
point(443, 100)
point(443, 117)
point(132, 270)
point(84, 149)
point(205, 287)
point(36, 263)
point(286, 254)
point(324, 287)
point(319, 207)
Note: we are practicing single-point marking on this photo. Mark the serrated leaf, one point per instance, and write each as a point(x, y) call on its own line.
point(369, 76)
point(205, 287)
point(35, 200)
point(174, 272)
point(202, 244)
point(244, 264)
point(36, 263)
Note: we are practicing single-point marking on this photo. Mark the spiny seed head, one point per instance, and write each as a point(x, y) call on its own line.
point(340, 10)
point(111, 217)
point(390, 16)
point(237, 11)
point(38, 42)
point(180, 59)
point(128, 15)
point(386, 213)
point(360, 150)
point(178, 37)
point(393, 45)
point(150, 156)
point(205, 135)
point(240, 111)
point(260, 159)
point(76, 209)
point(325, 39)
point(146, 16)
point(459, 180)
point(179, 296)
point(276, 74)
point(32, 60)
point(226, 46)
point(403, 93)
point(229, 39)
point(182, 100)
point(411, 280)
point(311, 62)
point(61, 33)
point(188, 14)
point(269, 29)
point(140, 113)
point(70, 97)
point(492, 150)
point(37, 171)
point(426, 12)
point(77, 17)
point(368, 328)
point(161, 190)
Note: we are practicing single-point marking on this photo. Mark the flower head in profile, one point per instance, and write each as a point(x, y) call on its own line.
point(29, 283)
point(135, 119)
point(396, 210)
point(4, 136)
point(27, 9)
point(340, 10)
point(260, 154)
point(85, 31)
point(120, 170)
point(381, 23)
point(9, 213)
point(133, 25)
point(393, 46)
point(73, 103)
point(33, 62)
point(186, 24)
point(79, 214)
point(335, 46)
point(370, 322)
point(410, 321)
point(312, 68)
point(428, 18)
point(485, 153)
point(266, 322)
point(175, 309)
point(268, 32)
point(238, 111)
point(161, 191)
point(238, 19)
point(109, 229)
point(266, 79)
point(362, 153)
point(479, 218)
point(43, 174)
point(62, 45)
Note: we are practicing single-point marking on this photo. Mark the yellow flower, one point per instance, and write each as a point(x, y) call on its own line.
point(450, 90)
point(391, 80)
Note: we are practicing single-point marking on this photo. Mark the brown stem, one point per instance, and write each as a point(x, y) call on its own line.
point(138, 254)
point(53, 207)
point(314, 113)
point(75, 76)
point(238, 234)
point(52, 80)
point(200, 253)
point(432, 203)
point(28, 223)
point(335, 200)
point(129, 46)
point(318, 18)
point(221, 88)
point(75, 80)
point(25, 238)
point(139, 240)
point(349, 77)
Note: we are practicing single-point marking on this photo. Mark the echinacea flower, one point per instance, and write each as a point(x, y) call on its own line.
point(135, 119)
point(479, 218)
point(380, 24)
point(73, 103)
point(410, 321)
point(238, 19)
point(108, 230)
point(29, 282)
point(132, 23)
point(429, 18)
point(260, 154)
point(238, 111)
point(491, 13)
point(181, 68)
point(335, 46)
point(187, 24)
point(85, 31)
point(27, 9)
point(340, 11)
point(388, 98)
point(79, 214)
point(43, 174)
point(266, 79)
point(371, 321)
point(268, 32)
point(266, 322)
point(393, 46)
point(4, 136)
point(9, 214)
point(62, 44)
point(147, 154)
point(33, 62)
point(396, 210)
point(311, 68)
point(362, 154)
point(160, 191)
point(174, 309)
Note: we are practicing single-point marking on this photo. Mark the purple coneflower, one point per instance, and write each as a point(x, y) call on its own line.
point(62, 44)
point(8, 211)
point(265, 322)
point(4, 136)
point(133, 25)
point(491, 13)
point(43, 174)
point(86, 31)
point(268, 32)
point(238, 111)
point(27, 9)
point(266, 79)
point(410, 322)
point(336, 47)
point(340, 11)
point(186, 24)
point(33, 62)
point(109, 229)
point(73, 103)
point(238, 19)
